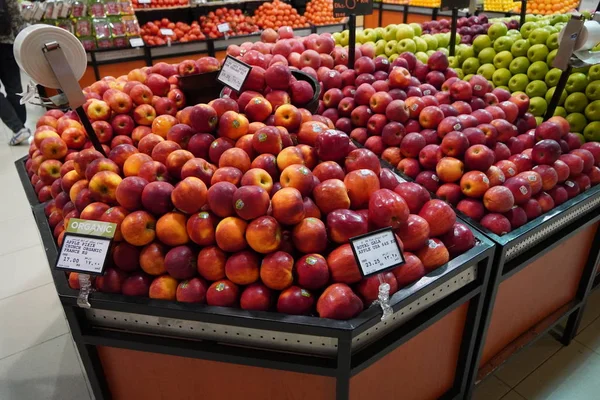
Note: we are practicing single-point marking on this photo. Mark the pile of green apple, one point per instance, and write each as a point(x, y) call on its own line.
point(521, 61)
point(396, 39)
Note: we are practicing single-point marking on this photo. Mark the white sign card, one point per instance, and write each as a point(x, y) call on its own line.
point(136, 42)
point(166, 32)
point(144, 1)
point(376, 252)
point(83, 254)
point(223, 27)
point(234, 73)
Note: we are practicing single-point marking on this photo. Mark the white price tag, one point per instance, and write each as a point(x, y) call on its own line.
point(223, 27)
point(234, 73)
point(83, 254)
point(166, 31)
point(376, 251)
point(144, 1)
point(136, 42)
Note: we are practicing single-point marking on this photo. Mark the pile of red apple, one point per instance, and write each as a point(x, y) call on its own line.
point(182, 32)
point(216, 204)
point(239, 23)
point(474, 147)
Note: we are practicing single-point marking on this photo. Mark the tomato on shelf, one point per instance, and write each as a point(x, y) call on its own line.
point(320, 12)
point(182, 32)
point(278, 14)
point(140, 5)
point(239, 23)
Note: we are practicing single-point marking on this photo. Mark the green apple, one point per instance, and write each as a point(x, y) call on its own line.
point(552, 77)
point(503, 43)
point(576, 82)
point(430, 52)
point(453, 62)
point(393, 57)
point(592, 111)
point(444, 50)
point(380, 32)
point(536, 89)
point(519, 65)
point(539, 36)
point(443, 39)
point(344, 38)
point(361, 36)
point(520, 47)
point(550, 93)
point(501, 77)
point(459, 72)
point(538, 106)
point(463, 53)
point(431, 41)
point(471, 65)
point(594, 72)
point(336, 37)
point(390, 48)
point(583, 70)
point(537, 52)
point(390, 32)
point(404, 31)
point(537, 71)
point(591, 132)
point(552, 41)
point(458, 38)
point(496, 30)
point(577, 122)
point(551, 57)
point(421, 44)
point(518, 83)
point(481, 42)
point(514, 33)
point(539, 120)
point(416, 28)
point(527, 28)
point(592, 91)
point(487, 71)
point(468, 77)
point(531, 18)
point(576, 102)
point(560, 112)
point(380, 47)
point(406, 45)
point(423, 57)
point(503, 59)
point(503, 87)
point(486, 56)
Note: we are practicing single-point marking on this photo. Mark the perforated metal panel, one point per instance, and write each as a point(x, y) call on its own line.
point(426, 300)
point(561, 221)
point(272, 340)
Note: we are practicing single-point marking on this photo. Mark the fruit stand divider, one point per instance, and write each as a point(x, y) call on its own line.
point(341, 349)
point(25, 182)
point(520, 248)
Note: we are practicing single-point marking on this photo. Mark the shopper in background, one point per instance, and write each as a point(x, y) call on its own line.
point(12, 113)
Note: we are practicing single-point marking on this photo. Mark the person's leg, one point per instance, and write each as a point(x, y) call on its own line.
point(12, 113)
point(10, 74)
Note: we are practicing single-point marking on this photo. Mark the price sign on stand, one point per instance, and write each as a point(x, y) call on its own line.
point(344, 8)
point(166, 32)
point(234, 73)
point(376, 252)
point(136, 42)
point(85, 246)
point(223, 28)
point(144, 1)
point(450, 4)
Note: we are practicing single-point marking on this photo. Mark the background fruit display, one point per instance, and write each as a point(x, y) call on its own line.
point(277, 14)
point(248, 201)
point(182, 32)
point(476, 148)
point(499, 5)
point(548, 7)
point(239, 23)
point(320, 12)
point(160, 4)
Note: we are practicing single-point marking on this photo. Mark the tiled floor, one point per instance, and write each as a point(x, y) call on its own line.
point(38, 360)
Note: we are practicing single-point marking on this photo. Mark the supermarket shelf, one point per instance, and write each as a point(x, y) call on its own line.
point(198, 5)
point(161, 8)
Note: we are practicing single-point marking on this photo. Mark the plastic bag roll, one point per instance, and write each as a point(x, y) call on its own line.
point(29, 54)
point(589, 36)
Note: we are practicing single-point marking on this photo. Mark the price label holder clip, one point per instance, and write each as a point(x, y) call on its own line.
point(377, 252)
point(85, 250)
point(224, 28)
point(234, 73)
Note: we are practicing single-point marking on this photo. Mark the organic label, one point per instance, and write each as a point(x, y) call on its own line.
point(435, 178)
point(511, 171)
point(262, 137)
point(311, 261)
point(239, 204)
point(523, 190)
point(486, 180)
point(304, 293)
point(220, 287)
point(456, 127)
point(569, 184)
point(93, 228)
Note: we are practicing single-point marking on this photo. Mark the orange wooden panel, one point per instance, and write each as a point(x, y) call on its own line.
point(536, 291)
point(372, 21)
point(135, 375)
point(421, 369)
point(390, 17)
point(220, 55)
point(88, 77)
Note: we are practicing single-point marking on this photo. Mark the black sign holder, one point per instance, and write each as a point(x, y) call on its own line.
point(453, 31)
point(352, 40)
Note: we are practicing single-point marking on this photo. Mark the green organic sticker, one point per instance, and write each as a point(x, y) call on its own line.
point(262, 137)
point(239, 204)
point(311, 260)
point(304, 293)
point(203, 215)
point(220, 287)
point(92, 228)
